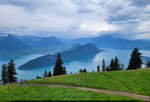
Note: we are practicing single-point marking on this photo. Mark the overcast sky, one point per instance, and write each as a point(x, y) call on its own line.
point(76, 18)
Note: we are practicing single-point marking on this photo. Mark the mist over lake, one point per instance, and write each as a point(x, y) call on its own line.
point(73, 66)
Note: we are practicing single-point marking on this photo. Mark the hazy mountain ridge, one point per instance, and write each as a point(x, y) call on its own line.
point(79, 53)
point(108, 41)
point(10, 43)
point(49, 42)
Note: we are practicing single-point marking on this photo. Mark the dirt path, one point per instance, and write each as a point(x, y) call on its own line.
point(146, 98)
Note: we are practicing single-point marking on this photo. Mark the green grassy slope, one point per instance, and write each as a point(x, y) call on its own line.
point(135, 81)
point(53, 93)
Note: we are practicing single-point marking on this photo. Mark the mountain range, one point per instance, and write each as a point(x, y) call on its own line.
point(14, 45)
point(31, 44)
point(108, 41)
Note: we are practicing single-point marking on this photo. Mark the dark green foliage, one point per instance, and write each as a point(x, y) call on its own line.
point(38, 77)
point(112, 65)
point(116, 64)
point(45, 75)
point(49, 74)
point(59, 69)
point(98, 68)
point(107, 68)
point(4, 74)
point(11, 72)
point(148, 64)
point(64, 70)
point(83, 70)
point(103, 65)
point(135, 60)
point(80, 71)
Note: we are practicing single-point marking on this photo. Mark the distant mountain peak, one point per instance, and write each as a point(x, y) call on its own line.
point(49, 42)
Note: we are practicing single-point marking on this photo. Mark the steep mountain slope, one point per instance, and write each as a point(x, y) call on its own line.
point(75, 53)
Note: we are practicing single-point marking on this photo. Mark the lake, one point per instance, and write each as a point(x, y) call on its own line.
point(73, 66)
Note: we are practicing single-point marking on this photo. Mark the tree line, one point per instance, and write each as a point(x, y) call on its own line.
point(135, 62)
point(9, 72)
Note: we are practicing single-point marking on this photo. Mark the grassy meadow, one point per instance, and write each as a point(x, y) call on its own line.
point(134, 81)
point(28, 93)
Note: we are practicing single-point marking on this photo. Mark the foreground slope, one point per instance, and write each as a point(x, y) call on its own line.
point(134, 81)
point(28, 93)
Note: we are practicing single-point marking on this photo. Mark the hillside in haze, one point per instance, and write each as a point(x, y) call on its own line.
point(108, 41)
point(49, 42)
point(15, 46)
point(79, 52)
point(10, 43)
point(28, 39)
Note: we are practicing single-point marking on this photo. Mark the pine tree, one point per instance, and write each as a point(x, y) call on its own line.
point(98, 68)
point(64, 70)
point(59, 69)
point(107, 68)
point(11, 72)
point(4, 74)
point(49, 74)
point(135, 60)
point(116, 64)
point(45, 75)
point(84, 70)
point(38, 77)
point(80, 71)
point(112, 65)
point(148, 64)
point(103, 65)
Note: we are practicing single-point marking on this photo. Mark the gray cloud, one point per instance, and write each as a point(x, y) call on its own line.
point(75, 18)
point(140, 2)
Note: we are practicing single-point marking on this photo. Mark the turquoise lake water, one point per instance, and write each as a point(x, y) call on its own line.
point(73, 66)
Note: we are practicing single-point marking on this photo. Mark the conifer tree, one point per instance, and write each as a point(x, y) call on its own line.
point(148, 64)
point(45, 75)
point(111, 65)
point(64, 70)
point(107, 68)
point(84, 70)
point(49, 74)
point(11, 73)
point(80, 71)
point(103, 65)
point(38, 77)
point(116, 64)
point(98, 68)
point(135, 60)
point(4, 74)
point(59, 69)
